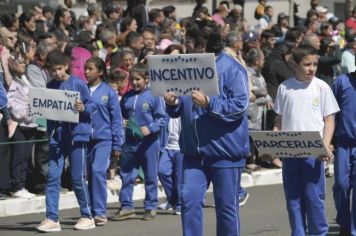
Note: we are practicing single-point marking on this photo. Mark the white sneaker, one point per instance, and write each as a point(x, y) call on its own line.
point(49, 226)
point(23, 193)
point(84, 224)
point(165, 206)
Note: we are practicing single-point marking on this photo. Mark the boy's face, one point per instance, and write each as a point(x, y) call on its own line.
point(306, 69)
point(59, 72)
point(139, 83)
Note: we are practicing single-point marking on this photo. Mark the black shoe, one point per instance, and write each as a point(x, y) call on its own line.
point(124, 214)
point(344, 232)
point(149, 215)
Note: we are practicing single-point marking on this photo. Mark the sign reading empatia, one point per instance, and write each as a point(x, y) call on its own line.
point(289, 143)
point(183, 73)
point(53, 104)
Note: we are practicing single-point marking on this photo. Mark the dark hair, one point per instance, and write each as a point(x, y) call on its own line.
point(173, 47)
point(167, 10)
point(8, 20)
point(303, 51)
point(125, 23)
point(140, 69)
point(25, 17)
point(324, 26)
point(144, 52)
point(267, 33)
point(99, 64)
point(293, 34)
point(57, 15)
point(205, 34)
point(153, 14)
point(324, 44)
point(56, 57)
point(132, 37)
point(117, 75)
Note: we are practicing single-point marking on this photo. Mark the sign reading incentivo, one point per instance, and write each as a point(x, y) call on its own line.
point(183, 73)
point(289, 143)
point(53, 104)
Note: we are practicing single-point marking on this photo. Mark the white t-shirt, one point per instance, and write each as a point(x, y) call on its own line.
point(174, 128)
point(304, 106)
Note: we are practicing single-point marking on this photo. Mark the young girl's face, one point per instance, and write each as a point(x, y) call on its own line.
point(133, 26)
point(59, 72)
point(92, 73)
point(306, 68)
point(139, 82)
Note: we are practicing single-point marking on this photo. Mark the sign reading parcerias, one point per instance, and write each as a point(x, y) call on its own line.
point(53, 104)
point(289, 143)
point(183, 73)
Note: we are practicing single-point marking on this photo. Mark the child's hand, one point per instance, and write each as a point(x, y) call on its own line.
point(125, 122)
point(200, 99)
point(145, 130)
point(116, 154)
point(79, 105)
point(170, 98)
point(328, 157)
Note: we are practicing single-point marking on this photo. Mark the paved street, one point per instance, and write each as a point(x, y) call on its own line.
point(263, 215)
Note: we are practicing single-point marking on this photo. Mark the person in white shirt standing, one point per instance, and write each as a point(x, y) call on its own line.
point(306, 103)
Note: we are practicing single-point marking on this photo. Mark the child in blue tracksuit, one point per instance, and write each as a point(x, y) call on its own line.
point(68, 139)
point(304, 178)
point(214, 138)
point(345, 160)
point(107, 136)
point(144, 116)
point(170, 166)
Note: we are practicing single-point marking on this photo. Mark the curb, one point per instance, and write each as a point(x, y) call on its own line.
point(16, 206)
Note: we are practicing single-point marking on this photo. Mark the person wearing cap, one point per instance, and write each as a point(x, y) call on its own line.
point(113, 12)
point(351, 21)
point(322, 11)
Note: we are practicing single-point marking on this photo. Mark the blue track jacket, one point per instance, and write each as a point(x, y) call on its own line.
point(145, 109)
point(218, 134)
point(107, 119)
point(76, 131)
point(344, 91)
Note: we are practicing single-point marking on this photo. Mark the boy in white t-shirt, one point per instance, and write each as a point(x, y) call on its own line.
point(306, 103)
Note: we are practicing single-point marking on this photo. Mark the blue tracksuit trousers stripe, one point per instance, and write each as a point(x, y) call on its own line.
point(345, 182)
point(170, 175)
point(99, 153)
point(146, 156)
point(226, 183)
point(76, 152)
point(304, 188)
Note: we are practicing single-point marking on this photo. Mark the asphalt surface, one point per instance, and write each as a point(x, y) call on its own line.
point(264, 215)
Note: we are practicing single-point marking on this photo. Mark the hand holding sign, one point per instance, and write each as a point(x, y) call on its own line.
point(170, 98)
point(79, 105)
point(200, 99)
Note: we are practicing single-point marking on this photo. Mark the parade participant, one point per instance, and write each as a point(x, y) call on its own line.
point(144, 117)
point(345, 179)
point(304, 178)
point(107, 136)
point(68, 139)
point(216, 154)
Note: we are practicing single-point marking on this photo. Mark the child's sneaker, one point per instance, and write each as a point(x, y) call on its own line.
point(113, 184)
point(178, 210)
point(49, 226)
point(100, 220)
point(124, 214)
point(165, 206)
point(243, 199)
point(149, 215)
point(84, 224)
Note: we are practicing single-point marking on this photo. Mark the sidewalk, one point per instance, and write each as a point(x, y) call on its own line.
point(15, 206)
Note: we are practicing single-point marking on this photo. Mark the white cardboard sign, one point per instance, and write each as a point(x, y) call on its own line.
point(183, 73)
point(53, 104)
point(293, 144)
